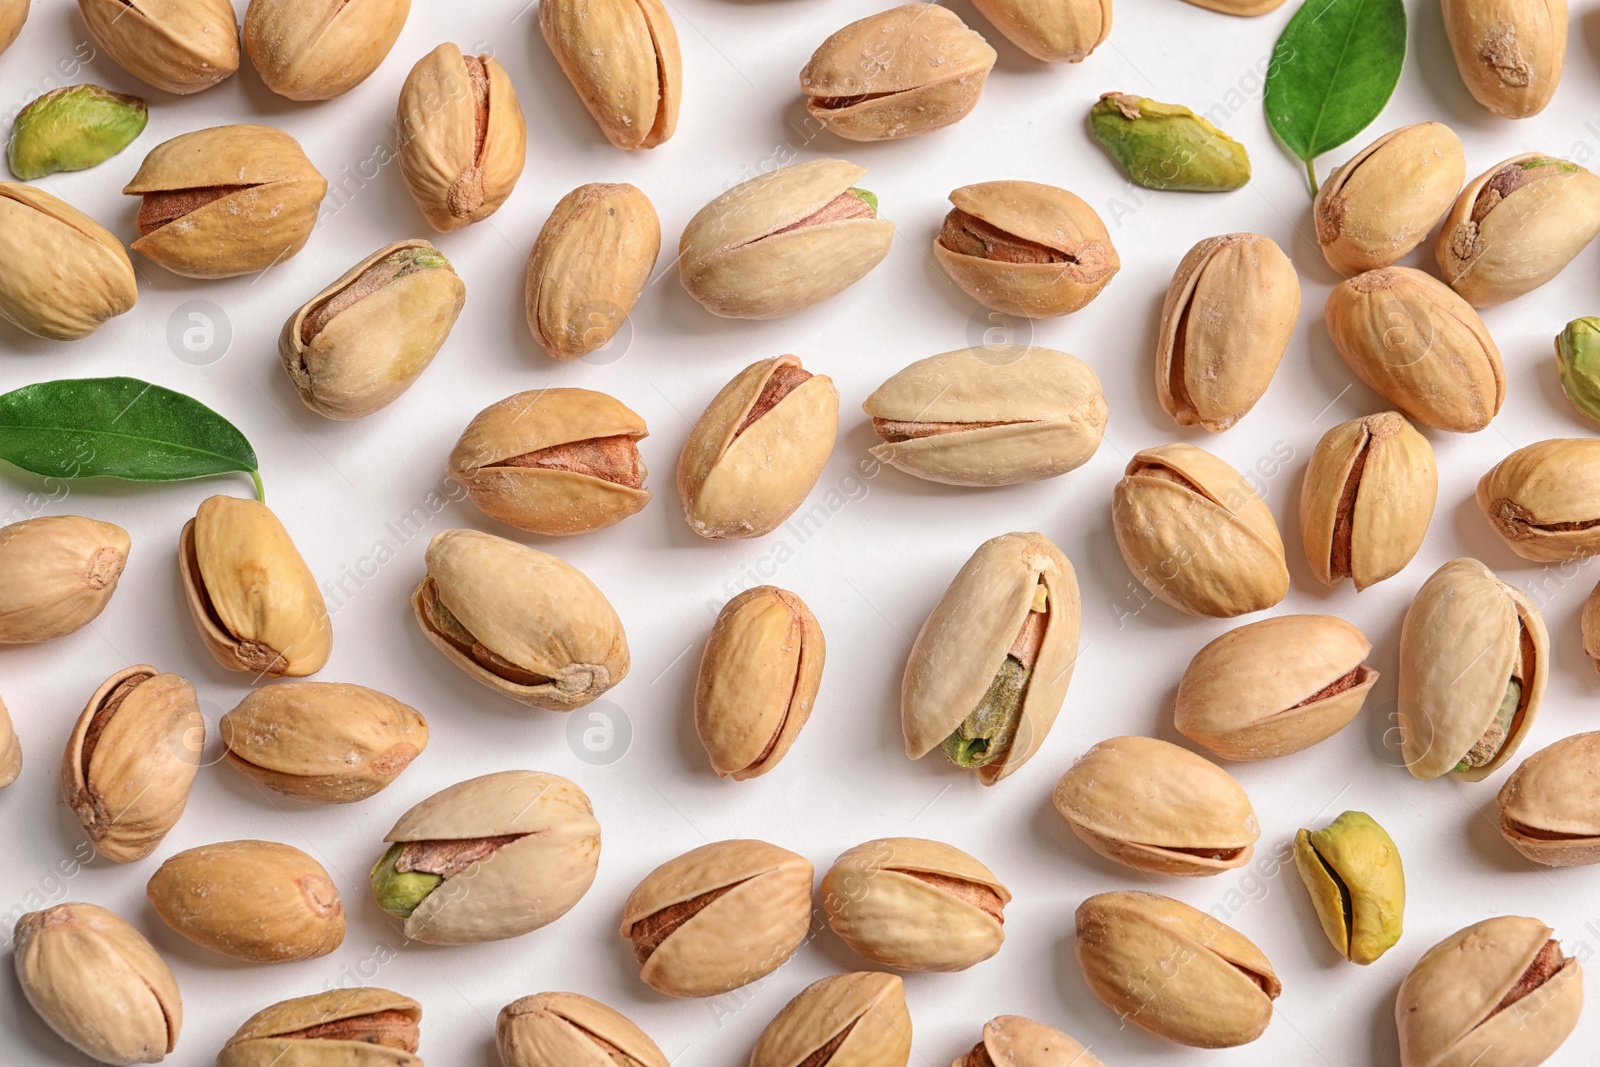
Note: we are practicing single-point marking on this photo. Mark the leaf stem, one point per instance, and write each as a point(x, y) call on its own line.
point(1311, 173)
point(261, 492)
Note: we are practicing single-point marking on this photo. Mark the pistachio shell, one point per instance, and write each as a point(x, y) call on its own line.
point(1167, 146)
point(267, 207)
point(898, 73)
point(131, 760)
point(1352, 870)
point(748, 463)
point(522, 884)
point(1497, 245)
point(1550, 806)
point(532, 626)
point(1049, 31)
point(13, 13)
point(972, 633)
point(1420, 346)
point(1156, 807)
point(463, 140)
point(1367, 499)
point(98, 983)
point(1021, 248)
point(622, 58)
point(1451, 1009)
point(258, 901)
point(1225, 324)
point(1013, 1041)
point(915, 905)
point(356, 346)
point(1384, 202)
point(1590, 623)
point(752, 253)
point(1193, 530)
point(592, 260)
point(859, 1018)
point(322, 742)
point(73, 128)
point(1465, 637)
point(57, 574)
point(253, 599)
point(569, 1030)
point(10, 749)
point(1544, 499)
point(1220, 997)
point(989, 416)
point(719, 917)
point(354, 1027)
point(1509, 52)
point(758, 681)
point(1242, 8)
point(180, 47)
point(319, 49)
point(61, 273)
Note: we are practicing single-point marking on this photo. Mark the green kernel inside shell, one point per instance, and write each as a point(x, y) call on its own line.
point(401, 892)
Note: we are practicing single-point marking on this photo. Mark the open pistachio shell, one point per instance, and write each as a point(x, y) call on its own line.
point(1385, 201)
point(1544, 499)
point(847, 1020)
point(622, 57)
point(10, 749)
point(570, 1030)
point(1352, 870)
point(57, 574)
point(62, 274)
point(13, 13)
point(359, 1027)
point(1550, 806)
point(1014, 1041)
point(180, 47)
point(1510, 52)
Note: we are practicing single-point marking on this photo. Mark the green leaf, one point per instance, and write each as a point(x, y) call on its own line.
point(119, 428)
point(1333, 71)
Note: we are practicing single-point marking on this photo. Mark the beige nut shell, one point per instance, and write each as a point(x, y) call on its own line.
point(1544, 499)
point(316, 50)
point(13, 13)
point(261, 1040)
point(1509, 52)
point(10, 749)
point(1051, 31)
point(864, 1012)
point(542, 500)
point(57, 574)
point(965, 640)
point(591, 262)
point(182, 46)
point(746, 933)
point(745, 484)
point(622, 57)
point(65, 273)
point(570, 1030)
point(1015, 1041)
point(877, 904)
point(1381, 204)
point(739, 259)
point(1255, 692)
point(1241, 8)
point(1550, 805)
point(1214, 552)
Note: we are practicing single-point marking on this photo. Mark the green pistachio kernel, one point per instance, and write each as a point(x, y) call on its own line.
point(1494, 738)
point(1352, 870)
point(1167, 146)
point(986, 733)
point(73, 128)
point(400, 893)
point(1578, 355)
point(870, 198)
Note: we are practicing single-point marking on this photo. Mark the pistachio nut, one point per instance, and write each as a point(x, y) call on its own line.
point(1156, 807)
point(1193, 530)
point(1013, 1041)
point(73, 128)
point(1509, 52)
point(990, 667)
point(1367, 499)
point(1474, 657)
point(62, 274)
point(131, 760)
point(554, 461)
point(1242, 8)
point(316, 50)
point(1021, 248)
point(10, 749)
point(13, 13)
point(224, 201)
point(522, 622)
point(462, 138)
point(1050, 31)
point(322, 742)
point(995, 415)
point(1225, 324)
point(1544, 499)
point(258, 901)
point(1352, 870)
point(1499, 993)
point(57, 574)
point(1578, 360)
point(1273, 687)
point(783, 241)
point(351, 1027)
point(1384, 202)
point(898, 73)
point(757, 450)
point(758, 681)
point(846, 1020)
point(253, 599)
point(180, 47)
point(493, 857)
point(915, 905)
point(1516, 226)
point(356, 346)
point(1174, 970)
point(622, 58)
point(592, 260)
point(568, 1029)
point(1419, 345)
point(98, 983)
point(1550, 806)
point(1167, 146)
point(719, 917)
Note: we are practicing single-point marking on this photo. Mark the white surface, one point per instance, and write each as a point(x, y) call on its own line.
point(871, 571)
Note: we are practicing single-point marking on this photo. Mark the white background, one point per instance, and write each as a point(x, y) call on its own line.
point(871, 574)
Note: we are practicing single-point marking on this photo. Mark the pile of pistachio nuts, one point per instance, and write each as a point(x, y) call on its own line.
point(504, 854)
